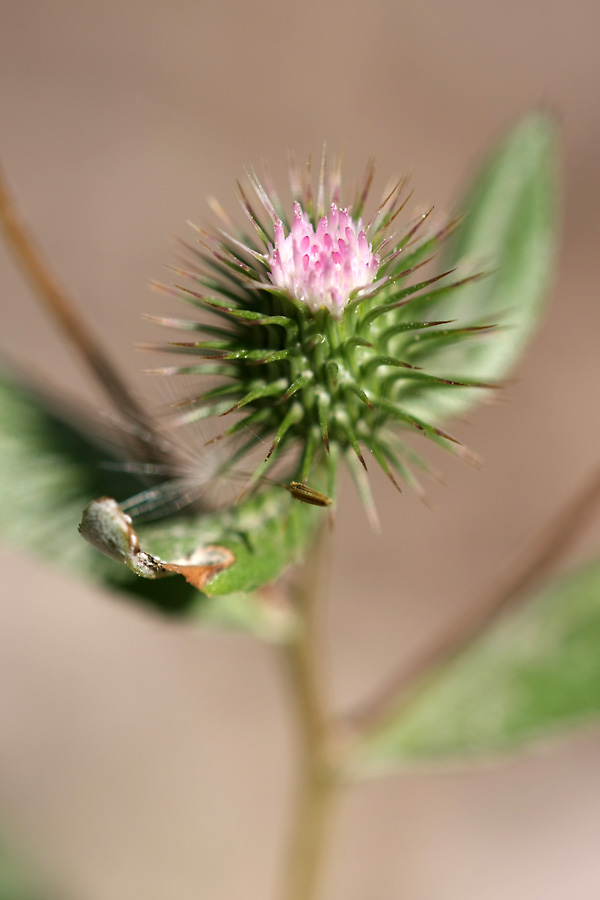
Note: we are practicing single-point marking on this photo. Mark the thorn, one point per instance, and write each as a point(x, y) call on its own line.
point(390, 475)
point(470, 457)
point(214, 440)
point(424, 498)
point(186, 402)
point(448, 437)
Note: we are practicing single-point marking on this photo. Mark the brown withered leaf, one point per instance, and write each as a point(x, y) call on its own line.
point(202, 565)
point(110, 530)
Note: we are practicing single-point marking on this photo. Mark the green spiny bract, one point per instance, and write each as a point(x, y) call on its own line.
point(318, 337)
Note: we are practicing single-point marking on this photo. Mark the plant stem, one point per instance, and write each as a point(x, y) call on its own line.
point(64, 311)
point(508, 591)
point(314, 789)
point(307, 851)
point(318, 779)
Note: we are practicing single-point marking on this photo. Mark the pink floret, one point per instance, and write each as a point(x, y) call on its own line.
point(322, 268)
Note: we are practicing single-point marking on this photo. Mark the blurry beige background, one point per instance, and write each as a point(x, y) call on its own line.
point(139, 759)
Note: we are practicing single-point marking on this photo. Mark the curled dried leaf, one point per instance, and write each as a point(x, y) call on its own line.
point(110, 530)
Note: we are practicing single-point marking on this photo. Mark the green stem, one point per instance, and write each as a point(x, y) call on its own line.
point(318, 781)
point(312, 821)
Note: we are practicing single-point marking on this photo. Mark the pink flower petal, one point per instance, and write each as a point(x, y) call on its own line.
point(322, 267)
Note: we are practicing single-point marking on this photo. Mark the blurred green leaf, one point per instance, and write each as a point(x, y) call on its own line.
point(50, 468)
point(509, 231)
point(16, 883)
point(533, 675)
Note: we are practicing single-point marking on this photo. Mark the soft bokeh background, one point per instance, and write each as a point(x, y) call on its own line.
point(140, 759)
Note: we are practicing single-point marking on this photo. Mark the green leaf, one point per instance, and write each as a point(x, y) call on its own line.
point(16, 882)
point(532, 676)
point(51, 467)
point(508, 231)
point(264, 533)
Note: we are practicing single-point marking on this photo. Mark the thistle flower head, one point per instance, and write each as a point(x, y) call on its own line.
point(318, 333)
point(322, 267)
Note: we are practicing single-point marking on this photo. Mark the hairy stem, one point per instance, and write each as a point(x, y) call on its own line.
point(508, 591)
